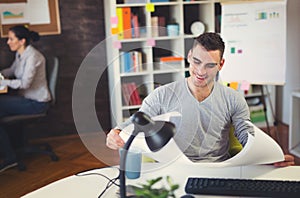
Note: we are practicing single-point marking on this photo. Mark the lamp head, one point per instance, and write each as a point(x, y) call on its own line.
point(157, 133)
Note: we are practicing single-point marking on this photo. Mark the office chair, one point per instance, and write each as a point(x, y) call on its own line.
point(234, 145)
point(20, 121)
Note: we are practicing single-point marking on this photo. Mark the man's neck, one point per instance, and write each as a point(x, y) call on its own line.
point(200, 93)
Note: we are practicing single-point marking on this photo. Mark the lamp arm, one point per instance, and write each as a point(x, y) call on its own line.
point(123, 163)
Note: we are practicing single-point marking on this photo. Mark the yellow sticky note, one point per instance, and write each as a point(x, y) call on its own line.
point(234, 85)
point(150, 7)
point(225, 83)
point(114, 30)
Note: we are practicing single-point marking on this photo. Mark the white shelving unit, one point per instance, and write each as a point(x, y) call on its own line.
point(184, 13)
point(178, 11)
point(294, 129)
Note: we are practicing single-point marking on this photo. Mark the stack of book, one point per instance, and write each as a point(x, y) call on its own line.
point(130, 94)
point(131, 62)
point(128, 24)
point(168, 62)
point(158, 26)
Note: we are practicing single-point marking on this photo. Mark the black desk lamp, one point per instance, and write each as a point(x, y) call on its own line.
point(157, 135)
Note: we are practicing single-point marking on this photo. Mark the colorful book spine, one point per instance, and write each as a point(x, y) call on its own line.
point(135, 26)
point(130, 94)
point(122, 62)
point(154, 26)
point(119, 13)
point(126, 94)
point(126, 13)
point(131, 62)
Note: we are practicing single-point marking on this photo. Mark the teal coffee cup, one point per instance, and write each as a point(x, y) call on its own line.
point(133, 163)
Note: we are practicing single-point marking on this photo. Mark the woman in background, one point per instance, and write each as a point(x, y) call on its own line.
point(27, 75)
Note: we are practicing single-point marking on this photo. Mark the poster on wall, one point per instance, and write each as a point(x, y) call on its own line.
point(14, 13)
point(32, 12)
point(255, 42)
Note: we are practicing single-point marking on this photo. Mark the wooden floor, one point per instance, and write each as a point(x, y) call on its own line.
point(74, 158)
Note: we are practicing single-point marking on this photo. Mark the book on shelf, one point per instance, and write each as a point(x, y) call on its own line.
point(158, 1)
point(126, 94)
point(119, 13)
point(154, 26)
point(131, 61)
point(158, 26)
point(162, 26)
point(168, 62)
point(126, 14)
point(135, 26)
point(135, 97)
point(128, 23)
point(130, 94)
point(135, 1)
point(125, 62)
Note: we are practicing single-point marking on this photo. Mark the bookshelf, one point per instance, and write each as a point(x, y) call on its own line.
point(153, 43)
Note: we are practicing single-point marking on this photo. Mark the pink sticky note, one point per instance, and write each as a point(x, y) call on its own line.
point(151, 42)
point(117, 44)
point(245, 86)
point(114, 20)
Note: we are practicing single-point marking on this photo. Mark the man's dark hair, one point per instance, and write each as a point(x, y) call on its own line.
point(210, 41)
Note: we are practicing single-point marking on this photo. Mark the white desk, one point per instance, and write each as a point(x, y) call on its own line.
point(92, 185)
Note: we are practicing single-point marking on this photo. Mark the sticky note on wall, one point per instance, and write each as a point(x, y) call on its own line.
point(114, 20)
point(150, 7)
point(117, 44)
point(114, 30)
point(151, 42)
point(234, 85)
point(245, 86)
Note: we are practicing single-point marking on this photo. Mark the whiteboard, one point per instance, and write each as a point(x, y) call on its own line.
point(255, 42)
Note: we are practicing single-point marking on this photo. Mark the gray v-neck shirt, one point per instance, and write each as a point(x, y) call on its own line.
point(202, 132)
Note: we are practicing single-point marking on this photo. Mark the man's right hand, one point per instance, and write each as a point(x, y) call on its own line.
point(113, 139)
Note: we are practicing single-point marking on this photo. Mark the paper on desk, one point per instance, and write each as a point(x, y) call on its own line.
point(259, 149)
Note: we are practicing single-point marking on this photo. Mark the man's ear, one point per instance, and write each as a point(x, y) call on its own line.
point(221, 64)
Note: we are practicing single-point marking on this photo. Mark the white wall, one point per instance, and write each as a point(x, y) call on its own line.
point(293, 62)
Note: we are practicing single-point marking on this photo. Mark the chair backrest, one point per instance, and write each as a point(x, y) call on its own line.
point(234, 145)
point(52, 65)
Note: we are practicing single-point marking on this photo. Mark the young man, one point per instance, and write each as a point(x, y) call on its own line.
point(208, 108)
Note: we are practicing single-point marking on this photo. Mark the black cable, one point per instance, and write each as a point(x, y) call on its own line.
point(108, 185)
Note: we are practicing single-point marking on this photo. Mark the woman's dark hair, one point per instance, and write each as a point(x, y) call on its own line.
point(210, 41)
point(22, 32)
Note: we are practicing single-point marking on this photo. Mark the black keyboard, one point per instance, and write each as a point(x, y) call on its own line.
point(242, 187)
